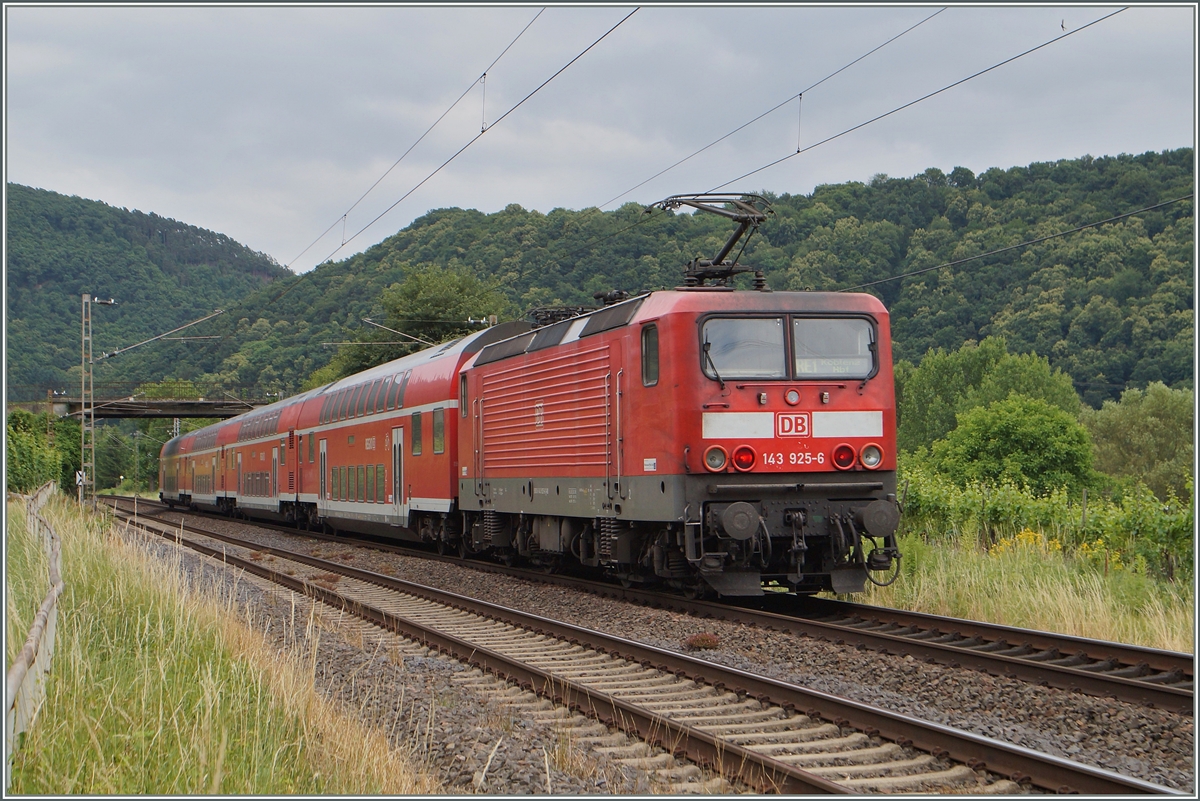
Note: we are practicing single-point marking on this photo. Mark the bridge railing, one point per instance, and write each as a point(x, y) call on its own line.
point(26, 681)
point(167, 390)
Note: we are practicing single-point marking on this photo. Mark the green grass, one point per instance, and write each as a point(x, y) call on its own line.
point(27, 580)
point(1027, 581)
point(155, 691)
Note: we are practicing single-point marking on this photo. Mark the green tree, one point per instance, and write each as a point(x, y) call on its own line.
point(932, 395)
point(1024, 374)
point(1146, 437)
point(30, 459)
point(1021, 440)
point(928, 396)
point(434, 304)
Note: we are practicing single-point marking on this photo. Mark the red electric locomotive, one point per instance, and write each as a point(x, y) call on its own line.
point(704, 438)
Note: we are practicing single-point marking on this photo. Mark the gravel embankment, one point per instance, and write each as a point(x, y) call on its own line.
point(1150, 744)
point(394, 695)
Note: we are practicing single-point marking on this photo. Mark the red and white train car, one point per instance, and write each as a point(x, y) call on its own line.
point(687, 436)
point(703, 438)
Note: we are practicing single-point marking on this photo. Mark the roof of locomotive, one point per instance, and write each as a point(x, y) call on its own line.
point(653, 305)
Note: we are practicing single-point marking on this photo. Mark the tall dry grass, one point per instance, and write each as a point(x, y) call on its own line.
point(1027, 581)
point(26, 580)
point(158, 690)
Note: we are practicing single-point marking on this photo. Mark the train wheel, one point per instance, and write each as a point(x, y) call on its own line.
point(442, 546)
point(462, 548)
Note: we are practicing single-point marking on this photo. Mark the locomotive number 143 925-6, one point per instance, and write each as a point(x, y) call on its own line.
point(792, 459)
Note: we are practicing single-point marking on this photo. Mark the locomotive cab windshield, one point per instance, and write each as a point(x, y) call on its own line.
point(757, 348)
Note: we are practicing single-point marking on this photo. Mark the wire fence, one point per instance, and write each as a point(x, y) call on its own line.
point(26, 681)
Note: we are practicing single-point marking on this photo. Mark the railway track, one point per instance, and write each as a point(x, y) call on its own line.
point(1136, 674)
point(760, 732)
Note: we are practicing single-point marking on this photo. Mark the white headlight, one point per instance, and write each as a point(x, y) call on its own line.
point(871, 456)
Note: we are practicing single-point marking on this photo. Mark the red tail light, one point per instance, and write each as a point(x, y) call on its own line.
point(844, 456)
point(743, 457)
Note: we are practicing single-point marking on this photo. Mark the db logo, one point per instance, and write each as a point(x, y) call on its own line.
point(791, 424)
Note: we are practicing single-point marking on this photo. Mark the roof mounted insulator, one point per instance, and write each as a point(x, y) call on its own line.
point(748, 211)
point(611, 297)
point(543, 316)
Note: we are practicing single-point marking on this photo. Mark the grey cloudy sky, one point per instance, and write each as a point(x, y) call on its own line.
point(267, 123)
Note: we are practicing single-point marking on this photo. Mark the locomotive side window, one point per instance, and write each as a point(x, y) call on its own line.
point(833, 347)
point(462, 395)
point(416, 434)
point(649, 355)
point(743, 348)
point(439, 430)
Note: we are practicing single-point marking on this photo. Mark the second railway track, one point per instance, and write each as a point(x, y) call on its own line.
point(1137, 674)
point(764, 733)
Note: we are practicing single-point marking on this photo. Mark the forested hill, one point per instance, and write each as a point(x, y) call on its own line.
point(163, 274)
point(1111, 306)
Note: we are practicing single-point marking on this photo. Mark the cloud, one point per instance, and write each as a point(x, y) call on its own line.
point(268, 123)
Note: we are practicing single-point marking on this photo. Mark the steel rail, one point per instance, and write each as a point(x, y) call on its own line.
point(1021, 764)
point(845, 623)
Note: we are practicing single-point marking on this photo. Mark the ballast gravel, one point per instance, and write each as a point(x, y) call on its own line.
point(1151, 744)
point(470, 744)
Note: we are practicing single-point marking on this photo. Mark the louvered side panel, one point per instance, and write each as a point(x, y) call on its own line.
point(554, 412)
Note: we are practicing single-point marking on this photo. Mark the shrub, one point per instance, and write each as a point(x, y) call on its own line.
point(1146, 437)
point(1021, 440)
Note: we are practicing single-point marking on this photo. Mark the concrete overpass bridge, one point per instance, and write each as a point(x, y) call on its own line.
point(120, 400)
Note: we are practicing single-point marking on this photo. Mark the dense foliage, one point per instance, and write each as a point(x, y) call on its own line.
point(995, 354)
point(432, 304)
point(929, 397)
point(1132, 530)
point(1024, 441)
point(30, 457)
point(162, 273)
point(1110, 306)
point(1147, 437)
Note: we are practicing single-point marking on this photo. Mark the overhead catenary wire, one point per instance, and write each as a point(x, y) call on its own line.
point(300, 279)
point(959, 82)
point(772, 110)
point(920, 99)
point(428, 130)
point(1025, 244)
point(478, 136)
